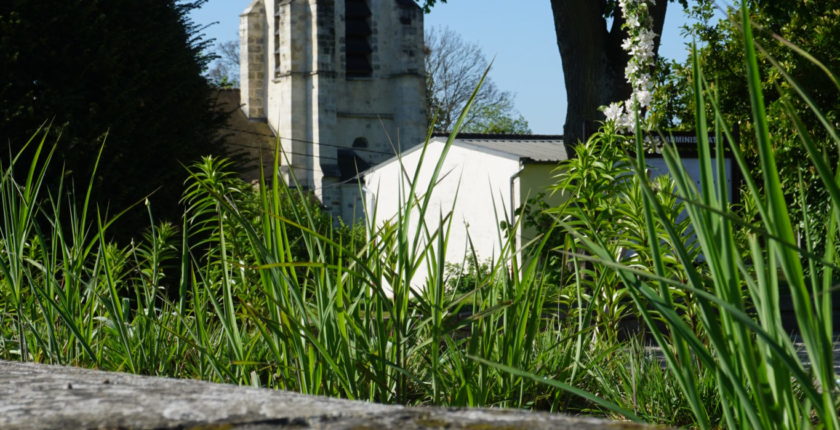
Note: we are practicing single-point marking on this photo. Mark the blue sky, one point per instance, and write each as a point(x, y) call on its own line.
point(521, 39)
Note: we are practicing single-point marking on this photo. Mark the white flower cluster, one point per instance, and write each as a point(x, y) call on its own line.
point(639, 44)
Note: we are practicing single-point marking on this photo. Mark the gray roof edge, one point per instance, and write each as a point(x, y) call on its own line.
point(532, 155)
point(502, 136)
point(443, 138)
point(491, 151)
point(398, 156)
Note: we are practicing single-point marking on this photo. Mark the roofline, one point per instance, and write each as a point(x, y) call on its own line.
point(502, 136)
point(396, 156)
point(442, 139)
point(491, 151)
point(501, 153)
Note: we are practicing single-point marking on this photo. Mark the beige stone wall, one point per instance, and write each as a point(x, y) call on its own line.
point(317, 110)
point(253, 27)
point(534, 179)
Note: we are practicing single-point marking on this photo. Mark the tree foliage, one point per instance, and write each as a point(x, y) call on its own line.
point(127, 69)
point(813, 26)
point(224, 69)
point(428, 4)
point(454, 68)
point(589, 37)
point(498, 119)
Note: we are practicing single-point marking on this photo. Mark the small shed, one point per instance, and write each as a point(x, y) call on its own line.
point(483, 180)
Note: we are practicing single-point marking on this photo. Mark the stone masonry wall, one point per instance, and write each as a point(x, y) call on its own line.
point(252, 59)
point(318, 111)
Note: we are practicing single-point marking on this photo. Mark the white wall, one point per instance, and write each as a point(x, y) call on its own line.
point(478, 179)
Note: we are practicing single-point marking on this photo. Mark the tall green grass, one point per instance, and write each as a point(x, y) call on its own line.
point(257, 286)
point(759, 379)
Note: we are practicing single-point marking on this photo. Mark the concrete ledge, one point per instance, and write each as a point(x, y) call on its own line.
point(34, 396)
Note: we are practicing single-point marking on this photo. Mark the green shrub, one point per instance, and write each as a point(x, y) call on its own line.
point(759, 379)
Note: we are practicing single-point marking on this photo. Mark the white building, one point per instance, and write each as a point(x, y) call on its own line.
point(483, 179)
point(340, 82)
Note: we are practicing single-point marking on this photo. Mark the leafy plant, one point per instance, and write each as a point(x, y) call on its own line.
point(759, 378)
point(603, 198)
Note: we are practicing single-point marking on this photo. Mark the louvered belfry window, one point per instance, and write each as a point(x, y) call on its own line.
point(277, 23)
point(357, 38)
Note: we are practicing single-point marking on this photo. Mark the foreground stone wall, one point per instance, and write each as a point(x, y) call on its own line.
point(36, 396)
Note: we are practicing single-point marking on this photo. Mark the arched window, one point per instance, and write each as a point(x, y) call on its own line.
point(360, 142)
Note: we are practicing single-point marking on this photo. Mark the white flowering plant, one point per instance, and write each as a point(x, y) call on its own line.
point(640, 45)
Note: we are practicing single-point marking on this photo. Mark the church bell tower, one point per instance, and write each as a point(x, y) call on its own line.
point(340, 82)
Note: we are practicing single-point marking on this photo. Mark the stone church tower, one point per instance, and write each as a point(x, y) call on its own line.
point(341, 82)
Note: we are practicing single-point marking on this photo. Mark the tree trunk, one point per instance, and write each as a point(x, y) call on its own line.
point(593, 60)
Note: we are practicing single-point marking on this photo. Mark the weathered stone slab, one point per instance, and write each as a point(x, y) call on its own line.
point(34, 396)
